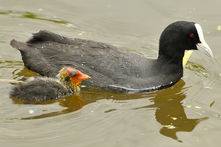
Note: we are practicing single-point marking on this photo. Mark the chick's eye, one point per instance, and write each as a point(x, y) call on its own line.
point(73, 73)
point(191, 35)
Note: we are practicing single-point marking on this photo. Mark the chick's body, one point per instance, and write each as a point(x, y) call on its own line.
point(40, 89)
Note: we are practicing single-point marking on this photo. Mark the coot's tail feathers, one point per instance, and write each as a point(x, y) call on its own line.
point(19, 45)
point(44, 36)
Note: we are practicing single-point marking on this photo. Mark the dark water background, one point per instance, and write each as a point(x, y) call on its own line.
point(187, 114)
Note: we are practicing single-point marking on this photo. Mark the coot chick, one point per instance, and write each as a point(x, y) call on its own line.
point(41, 89)
point(110, 67)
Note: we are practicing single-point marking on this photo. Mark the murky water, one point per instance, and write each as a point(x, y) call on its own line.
point(187, 114)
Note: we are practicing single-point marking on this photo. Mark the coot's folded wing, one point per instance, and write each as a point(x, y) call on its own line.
point(47, 52)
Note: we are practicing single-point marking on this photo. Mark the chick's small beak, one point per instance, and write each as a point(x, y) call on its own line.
point(81, 76)
point(203, 46)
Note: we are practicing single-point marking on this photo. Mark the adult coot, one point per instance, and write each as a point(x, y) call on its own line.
point(41, 89)
point(110, 67)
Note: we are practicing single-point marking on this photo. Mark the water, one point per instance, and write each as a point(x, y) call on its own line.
point(187, 114)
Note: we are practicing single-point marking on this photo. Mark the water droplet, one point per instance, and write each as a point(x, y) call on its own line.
point(188, 106)
point(40, 9)
point(81, 33)
point(31, 111)
point(69, 25)
point(170, 126)
point(173, 118)
point(218, 28)
point(197, 107)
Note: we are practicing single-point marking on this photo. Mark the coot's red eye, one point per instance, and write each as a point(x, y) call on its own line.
point(191, 35)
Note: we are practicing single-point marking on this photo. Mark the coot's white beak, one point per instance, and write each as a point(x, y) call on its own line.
point(203, 46)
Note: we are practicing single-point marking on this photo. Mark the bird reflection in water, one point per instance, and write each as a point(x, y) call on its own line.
point(170, 112)
point(69, 104)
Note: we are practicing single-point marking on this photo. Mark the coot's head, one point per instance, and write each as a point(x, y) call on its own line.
point(71, 77)
point(180, 36)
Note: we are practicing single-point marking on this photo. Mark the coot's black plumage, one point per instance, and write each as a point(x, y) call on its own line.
point(110, 67)
point(41, 89)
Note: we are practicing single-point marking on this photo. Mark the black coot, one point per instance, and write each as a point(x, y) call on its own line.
point(40, 89)
point(110, 67)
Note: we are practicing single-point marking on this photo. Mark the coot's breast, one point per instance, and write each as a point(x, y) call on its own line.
point(104, 63)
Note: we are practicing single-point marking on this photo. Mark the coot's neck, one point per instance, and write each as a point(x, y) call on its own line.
point(170, 59)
